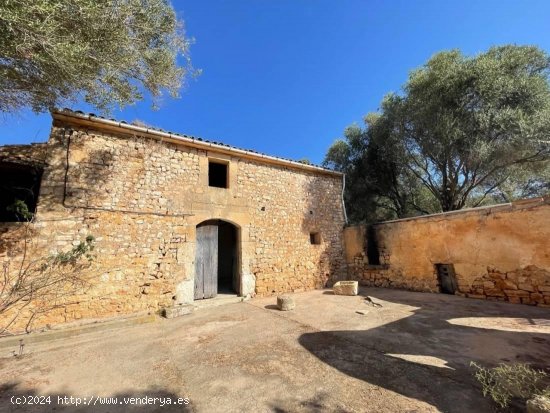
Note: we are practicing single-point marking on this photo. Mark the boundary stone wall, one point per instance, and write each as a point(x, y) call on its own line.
point(500, 252)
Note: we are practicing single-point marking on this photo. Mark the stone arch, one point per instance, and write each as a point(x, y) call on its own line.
point(240, 220)
point(221, 255)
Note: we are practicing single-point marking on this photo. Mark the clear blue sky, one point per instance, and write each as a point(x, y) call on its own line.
point(285, 77)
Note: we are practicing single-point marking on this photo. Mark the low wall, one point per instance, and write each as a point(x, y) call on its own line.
point(498, 253)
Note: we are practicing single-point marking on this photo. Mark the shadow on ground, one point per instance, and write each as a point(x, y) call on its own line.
point(13, 399)
point(426, 355)
point(320, 403)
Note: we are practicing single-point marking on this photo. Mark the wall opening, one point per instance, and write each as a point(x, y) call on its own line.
point(217, 259)
point(315, 238)
point(218, 175)
point(19, 187)
point(228, 281)
point(447, 278)
point(373, 254)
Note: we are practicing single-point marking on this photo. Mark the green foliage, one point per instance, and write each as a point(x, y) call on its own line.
point(523, 183)
point(378, 186)
point(504, 382)
point(465, 131)
point(40, 284)
point(104, 51)
point(71, 257)
point(82, 249)
point(20, 209)
point(305, 161)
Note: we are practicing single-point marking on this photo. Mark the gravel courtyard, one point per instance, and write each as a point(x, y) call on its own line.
point(404, 352)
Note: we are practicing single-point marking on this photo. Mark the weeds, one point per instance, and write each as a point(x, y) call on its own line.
point(504, 382)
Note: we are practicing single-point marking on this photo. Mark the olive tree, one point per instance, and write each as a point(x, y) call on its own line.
point(106, 52)
point(464, 131)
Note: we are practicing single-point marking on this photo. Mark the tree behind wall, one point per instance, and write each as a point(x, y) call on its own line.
point(106, 52)
point(464, 132)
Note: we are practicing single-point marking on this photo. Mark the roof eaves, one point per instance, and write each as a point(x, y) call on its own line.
point(60, 114)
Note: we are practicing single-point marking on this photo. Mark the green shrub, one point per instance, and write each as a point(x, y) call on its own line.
point(504, 382)
point(20, 209)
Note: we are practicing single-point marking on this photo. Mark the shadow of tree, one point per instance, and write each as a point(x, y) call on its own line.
point(320, 403)
point(88, 176)
point(425, 357)
point(14, 399)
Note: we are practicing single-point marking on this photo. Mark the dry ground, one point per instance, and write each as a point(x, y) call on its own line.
point(332, 354)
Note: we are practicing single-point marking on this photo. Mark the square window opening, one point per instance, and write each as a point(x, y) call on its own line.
point(315, 238)
point(218, 174)
point(19, 187)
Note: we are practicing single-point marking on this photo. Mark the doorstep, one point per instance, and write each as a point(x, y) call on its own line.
point(220, 299)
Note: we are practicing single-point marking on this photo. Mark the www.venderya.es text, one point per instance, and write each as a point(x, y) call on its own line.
point(98, 401)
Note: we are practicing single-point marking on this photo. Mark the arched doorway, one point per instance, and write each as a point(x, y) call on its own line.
point(216, 259)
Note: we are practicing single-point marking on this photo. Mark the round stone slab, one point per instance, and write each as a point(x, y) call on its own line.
point(285, 303)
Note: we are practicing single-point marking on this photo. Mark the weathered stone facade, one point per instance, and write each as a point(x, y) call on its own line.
point(498, 253)
point(141, 193)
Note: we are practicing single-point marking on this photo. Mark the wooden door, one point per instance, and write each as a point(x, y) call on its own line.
point(206, 262)
point(447, 278)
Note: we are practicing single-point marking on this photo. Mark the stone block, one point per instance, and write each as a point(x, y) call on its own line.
point(494, 292)
point(346, 288)
point(536, 297)
point(478, 296)
point(507, 285)
point(516, 293)
point(177, 311)
point(285, 302)
point(527, 287)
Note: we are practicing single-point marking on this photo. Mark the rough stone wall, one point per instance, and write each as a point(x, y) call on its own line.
point(498, 253)
point(287, 208)
point(142, 199)
point(34, 154)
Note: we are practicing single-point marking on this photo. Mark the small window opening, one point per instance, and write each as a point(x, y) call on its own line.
point(217, 174)
point(447, 278)
point(19, 186)
point(315, 238)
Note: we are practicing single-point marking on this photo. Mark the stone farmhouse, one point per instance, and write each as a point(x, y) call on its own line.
point(175, 218)
point(178, 219)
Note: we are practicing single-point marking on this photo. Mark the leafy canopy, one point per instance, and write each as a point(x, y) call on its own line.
point(106, 52)
point(465, 131)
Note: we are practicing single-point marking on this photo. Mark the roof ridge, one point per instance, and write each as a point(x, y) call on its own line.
point(78, 114)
